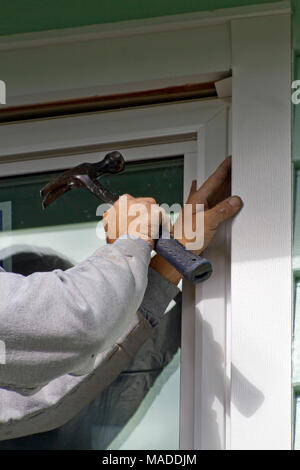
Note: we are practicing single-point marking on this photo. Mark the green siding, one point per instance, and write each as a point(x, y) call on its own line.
point(296, 247)
point(296, 123)
point(296, 136)
point(296, 25)
point(296, 346)
point(22, 16)
point(296, 332)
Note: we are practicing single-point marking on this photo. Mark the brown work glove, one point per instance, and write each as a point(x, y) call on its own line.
point(218, 206)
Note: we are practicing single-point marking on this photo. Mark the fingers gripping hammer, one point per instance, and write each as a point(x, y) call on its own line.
point(191, 266)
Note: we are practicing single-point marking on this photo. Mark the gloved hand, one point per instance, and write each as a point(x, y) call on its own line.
point(218, 206)
point(136, 217)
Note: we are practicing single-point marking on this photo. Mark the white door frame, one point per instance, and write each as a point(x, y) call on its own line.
point(249, 326)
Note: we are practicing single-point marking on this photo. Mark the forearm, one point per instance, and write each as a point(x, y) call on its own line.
point(53, 323)
point(62, 398)
point(158, 295)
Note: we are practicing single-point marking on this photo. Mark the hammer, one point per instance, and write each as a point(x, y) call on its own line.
point(191, 266)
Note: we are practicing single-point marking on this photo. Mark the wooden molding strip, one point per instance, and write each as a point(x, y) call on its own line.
point(107, 102)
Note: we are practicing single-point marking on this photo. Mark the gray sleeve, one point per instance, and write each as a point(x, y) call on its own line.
point(159, 293)
point(60, 400)
point(54, 323)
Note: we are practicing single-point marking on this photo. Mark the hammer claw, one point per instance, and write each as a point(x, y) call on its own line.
point(84, 176)
point(49, 197)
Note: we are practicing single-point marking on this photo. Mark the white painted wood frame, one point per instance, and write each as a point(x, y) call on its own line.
point(236, 357)
point(261, 280)
point(122, 57)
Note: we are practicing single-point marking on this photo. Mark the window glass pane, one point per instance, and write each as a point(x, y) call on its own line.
point(156, 422)
point(141, 409)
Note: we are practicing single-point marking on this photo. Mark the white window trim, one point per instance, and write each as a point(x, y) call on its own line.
point(261, 277)
point(122, 57)
point(250, 317)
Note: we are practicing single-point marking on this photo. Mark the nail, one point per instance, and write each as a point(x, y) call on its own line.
point(235, 202)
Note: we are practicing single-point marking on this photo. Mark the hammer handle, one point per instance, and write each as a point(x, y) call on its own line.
point(191, 266)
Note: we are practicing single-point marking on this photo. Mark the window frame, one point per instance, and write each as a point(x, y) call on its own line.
point(195, 141)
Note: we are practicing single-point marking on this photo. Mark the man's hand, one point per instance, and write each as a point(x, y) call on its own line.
point(218, 206)
point(137, 217)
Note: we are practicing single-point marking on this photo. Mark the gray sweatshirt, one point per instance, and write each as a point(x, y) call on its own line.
point(69, 334)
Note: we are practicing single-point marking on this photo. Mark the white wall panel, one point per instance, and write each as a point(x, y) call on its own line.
point(261, 237)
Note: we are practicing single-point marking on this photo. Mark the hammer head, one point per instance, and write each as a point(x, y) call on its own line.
point(112, 163)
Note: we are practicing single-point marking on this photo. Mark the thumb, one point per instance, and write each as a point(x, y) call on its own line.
point(193, 188)
point(223, 211)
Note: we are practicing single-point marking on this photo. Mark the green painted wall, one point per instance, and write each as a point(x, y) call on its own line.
point(296, 25)
point(21, 16)
point(296, 247)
